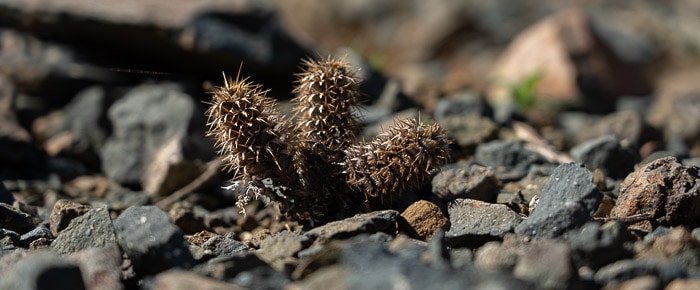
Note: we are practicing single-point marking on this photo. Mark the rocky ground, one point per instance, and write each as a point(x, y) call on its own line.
point(576, 128)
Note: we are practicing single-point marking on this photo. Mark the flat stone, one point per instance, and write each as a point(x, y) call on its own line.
point(474, 222)
point(372, 222)
point(90, 230)
point(42, 270)
point(664, 189)
point(151, 241)
point(569, 199)
point(14, 219)
point(470, 130)
point(616, 158)
point(422, 219)
point(63, 212)
point(472, 181)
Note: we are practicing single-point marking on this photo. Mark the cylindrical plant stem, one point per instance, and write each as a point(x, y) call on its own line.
point(397, 160)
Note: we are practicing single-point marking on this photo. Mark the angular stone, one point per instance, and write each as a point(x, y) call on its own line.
point(14, 219)
point(596, 245)
point(569, 199)
point(225, 245)
point(664, 189)
point(90, 230)
point(372, 222)
point(151, 241)
point(474, 222)
point(422, 219)
point(473, 182)
point(63, 212)
point(42, 270)
point(614, 157)
point(35, 234)
point(144, 120)
point(470, 130)
point(169, 170)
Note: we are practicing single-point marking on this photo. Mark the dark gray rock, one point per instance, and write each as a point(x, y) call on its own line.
point(548, 264)
point(14, 219)
point(5, 195)
point(364, 265)
point(510, 159)
point(569, 199)
point(42, 270)
point(461, 104)
point(244, 269)
point(143, 120)
point(90, 230)
point(151, 241)
point(627, 269)
point(225, 245)
point(472, 181)
point(594, 245)
point(11, 237)
point(470, 130)
point(372, 222)
point(37, 233)
point(283, 244)
point(615, 157)
point(474, 223)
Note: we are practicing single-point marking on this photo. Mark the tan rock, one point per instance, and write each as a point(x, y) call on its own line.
point(422, 219)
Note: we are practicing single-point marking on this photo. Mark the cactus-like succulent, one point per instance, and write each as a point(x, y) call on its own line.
point(396, 161)
point(310, 165)
point(327, 90)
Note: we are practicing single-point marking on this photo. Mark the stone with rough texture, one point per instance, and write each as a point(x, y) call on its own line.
point(63, 212)
point(616, 158)
point(42, 270)
point(568, 200)
point(473, 182)
point(596, 245)
point(90, 230)
point(422, 219)
point(225, 245)
point(475, 222)
point(151, 241)
point(143, 121)
point(470, 130)
point(372, 222)
point(664, 189)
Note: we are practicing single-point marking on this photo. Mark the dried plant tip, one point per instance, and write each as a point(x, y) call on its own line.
point(397, 160)
point(327, 90)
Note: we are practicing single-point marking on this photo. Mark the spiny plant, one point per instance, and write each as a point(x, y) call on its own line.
point(309, 163)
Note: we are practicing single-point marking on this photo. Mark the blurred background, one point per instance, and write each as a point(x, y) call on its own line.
point(101, 92)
